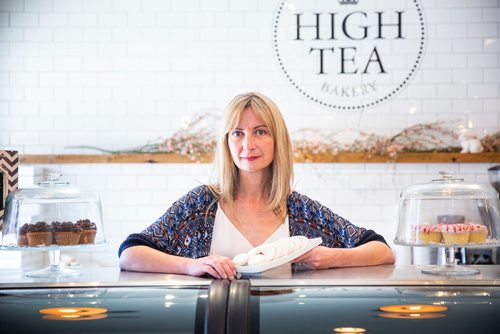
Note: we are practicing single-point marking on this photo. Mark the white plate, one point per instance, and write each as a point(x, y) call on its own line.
point(282, 260)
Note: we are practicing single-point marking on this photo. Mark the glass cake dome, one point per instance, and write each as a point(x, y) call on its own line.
point(449, 212)
point(52, 216)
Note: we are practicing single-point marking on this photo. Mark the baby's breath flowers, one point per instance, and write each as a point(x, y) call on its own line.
point(193, 139)
point(196, 138)
point(491, 142)
point(430, 137)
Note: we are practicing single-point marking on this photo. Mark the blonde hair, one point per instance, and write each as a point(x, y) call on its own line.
point(280, 182)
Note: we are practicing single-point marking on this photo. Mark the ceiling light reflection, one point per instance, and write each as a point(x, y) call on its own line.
point(73, 310)
point(73, 313)
point(349, 330)
point(413, 308)
point(74, 317)
point(412, 316)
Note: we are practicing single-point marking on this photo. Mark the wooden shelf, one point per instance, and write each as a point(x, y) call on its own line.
point(345, 157)
point(110, 158)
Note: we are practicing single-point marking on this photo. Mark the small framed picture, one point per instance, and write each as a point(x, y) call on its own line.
point(9, 166)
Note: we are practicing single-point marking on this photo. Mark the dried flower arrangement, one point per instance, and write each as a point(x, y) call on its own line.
point(417, 138)
point(491, 142)
point(195, 139)
point(430, 137)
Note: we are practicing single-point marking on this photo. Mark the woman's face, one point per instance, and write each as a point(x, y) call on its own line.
point(251, 143)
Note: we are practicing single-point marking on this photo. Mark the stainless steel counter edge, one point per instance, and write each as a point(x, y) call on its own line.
point(99, 277)
point(283, 276)
point(489, 275)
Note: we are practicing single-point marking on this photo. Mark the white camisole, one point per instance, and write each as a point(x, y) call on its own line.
point(228, 241)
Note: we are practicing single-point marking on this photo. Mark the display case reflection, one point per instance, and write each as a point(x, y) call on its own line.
point(451, 295)
point(136, 309)
point(64, 304)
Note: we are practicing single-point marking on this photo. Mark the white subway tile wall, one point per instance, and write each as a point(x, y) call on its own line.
point(116, 74)
point(135, 195)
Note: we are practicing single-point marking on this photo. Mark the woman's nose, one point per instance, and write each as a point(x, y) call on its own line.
point(248, 142)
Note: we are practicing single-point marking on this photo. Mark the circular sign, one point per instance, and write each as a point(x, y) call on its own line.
point(349, 54)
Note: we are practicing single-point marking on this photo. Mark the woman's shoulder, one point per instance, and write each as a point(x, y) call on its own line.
point(299, 202)
point(295, 197)
point(199, 197)
point(203, 192)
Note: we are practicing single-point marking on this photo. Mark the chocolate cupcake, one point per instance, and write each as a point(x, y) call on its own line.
point(66, 233)
point(89, 230)
point(22, 238)
point(39, 234)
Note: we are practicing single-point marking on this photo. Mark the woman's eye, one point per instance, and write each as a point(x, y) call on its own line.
point(237, 133)
point(261, 132)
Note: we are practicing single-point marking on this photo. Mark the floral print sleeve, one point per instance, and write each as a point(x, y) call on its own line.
point(311, 219)
point(184, 230)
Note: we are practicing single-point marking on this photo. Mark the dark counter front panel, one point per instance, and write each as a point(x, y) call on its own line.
point(414, 309)
point(103, 310)
point(247, 309)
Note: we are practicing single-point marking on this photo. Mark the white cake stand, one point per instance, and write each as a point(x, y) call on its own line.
point(451, 268)
point(54, 270)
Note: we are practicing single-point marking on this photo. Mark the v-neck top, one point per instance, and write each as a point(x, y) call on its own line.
point(228, 241)
point(186, 227)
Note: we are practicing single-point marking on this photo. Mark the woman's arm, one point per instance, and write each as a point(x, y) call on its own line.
point(147, 259)
point(369, 254)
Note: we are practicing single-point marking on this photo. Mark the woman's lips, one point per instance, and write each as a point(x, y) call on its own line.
point(249, 158)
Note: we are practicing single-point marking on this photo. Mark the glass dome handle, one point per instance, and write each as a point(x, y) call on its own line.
point(447, 174)
point(52, 180)
point(53, 176)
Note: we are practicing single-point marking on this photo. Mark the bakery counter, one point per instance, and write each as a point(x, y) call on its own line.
point(382, 299)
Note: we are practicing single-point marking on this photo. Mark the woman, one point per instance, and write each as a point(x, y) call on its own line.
point(252, 203)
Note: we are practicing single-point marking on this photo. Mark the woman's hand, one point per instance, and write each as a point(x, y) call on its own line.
point(214, 265)
point(370, 254)
point(147, 259)
point(320, 257)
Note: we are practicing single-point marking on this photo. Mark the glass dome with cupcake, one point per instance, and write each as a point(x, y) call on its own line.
point(449, 212)
point(52, 216)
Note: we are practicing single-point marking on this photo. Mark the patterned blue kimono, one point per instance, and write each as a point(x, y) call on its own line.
point(186, 228)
